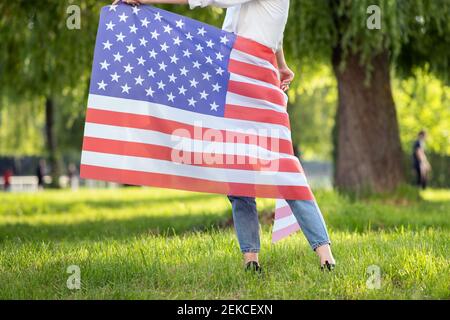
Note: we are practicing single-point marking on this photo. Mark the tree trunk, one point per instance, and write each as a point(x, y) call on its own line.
point(52, 150)
point(368, 152)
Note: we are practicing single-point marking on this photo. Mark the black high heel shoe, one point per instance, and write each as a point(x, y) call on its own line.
point(327, 266)
point(253, 266)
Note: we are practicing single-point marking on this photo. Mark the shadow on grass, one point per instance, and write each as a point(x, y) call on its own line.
point(55, 206)
point(120, 229)
point(123, 203)
point(164, 225)
point(340, 215)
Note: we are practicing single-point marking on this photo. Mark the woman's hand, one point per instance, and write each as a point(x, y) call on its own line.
point(286, 77)
point(286, 74)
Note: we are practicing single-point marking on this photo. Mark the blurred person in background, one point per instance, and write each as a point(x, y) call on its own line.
point(421, 165)
point(40, 173)
point(7, 174)
point(72, 174)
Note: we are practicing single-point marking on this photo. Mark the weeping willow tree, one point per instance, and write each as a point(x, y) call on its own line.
point(45, 57)
point(364, 53)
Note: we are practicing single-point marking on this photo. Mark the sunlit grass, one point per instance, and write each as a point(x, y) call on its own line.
point(153, 243)
point(436, 195)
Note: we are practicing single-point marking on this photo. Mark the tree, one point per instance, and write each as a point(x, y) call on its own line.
point(44, 59)
point(413, 34)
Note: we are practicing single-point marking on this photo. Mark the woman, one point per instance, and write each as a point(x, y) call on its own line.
point(263, 21)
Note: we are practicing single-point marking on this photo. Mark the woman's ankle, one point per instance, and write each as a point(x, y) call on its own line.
point(325, 254)
point(250, 256)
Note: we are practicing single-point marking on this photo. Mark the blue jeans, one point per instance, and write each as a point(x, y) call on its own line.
point(307, 213)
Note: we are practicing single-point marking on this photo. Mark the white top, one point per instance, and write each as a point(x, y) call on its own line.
point(260, 20)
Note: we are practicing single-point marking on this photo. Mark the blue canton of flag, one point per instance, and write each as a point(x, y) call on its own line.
point(153, 55)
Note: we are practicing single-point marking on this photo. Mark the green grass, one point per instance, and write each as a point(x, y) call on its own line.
point(153, 243)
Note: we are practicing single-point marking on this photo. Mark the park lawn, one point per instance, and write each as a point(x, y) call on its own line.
point(147, 243)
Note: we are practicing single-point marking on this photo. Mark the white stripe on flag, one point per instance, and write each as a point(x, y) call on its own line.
point(284, 222)
point(243, 101)
point(241, 78)
point(188, 117)
point(192, 171)
point(103, 131)
point(248, 58)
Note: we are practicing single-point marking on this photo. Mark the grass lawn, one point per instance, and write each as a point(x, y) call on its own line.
point(163, 244)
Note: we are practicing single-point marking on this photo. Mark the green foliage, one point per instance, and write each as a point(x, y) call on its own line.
point(416, 32)
point(144, 243)
point(21, 134)
point(309, 34)
point(43, 56)
point(423, 102)
point(312, 107)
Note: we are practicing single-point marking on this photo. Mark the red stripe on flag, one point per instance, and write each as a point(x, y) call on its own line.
point(283, 212)
point(256, 114)
point(255, 49)
point(144, 150)
point(137, 121)
point(252, 71)
point(256, 92)
point(193, 184)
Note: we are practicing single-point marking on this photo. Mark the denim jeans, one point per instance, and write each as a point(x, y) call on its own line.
point(307, 213)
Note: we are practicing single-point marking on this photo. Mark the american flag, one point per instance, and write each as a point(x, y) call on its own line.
point(176, 103)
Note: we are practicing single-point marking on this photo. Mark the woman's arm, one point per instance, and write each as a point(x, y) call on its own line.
point(138, 2)
point(216, 3)
point(286, 74)
point(192, 3)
